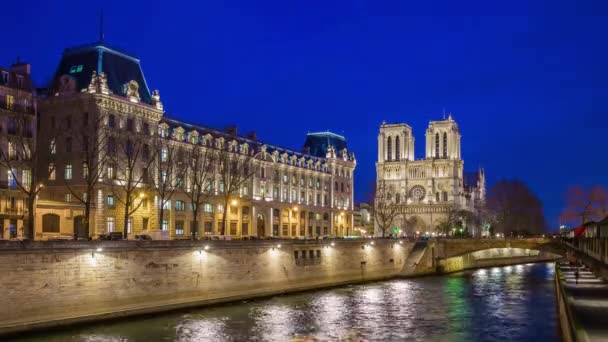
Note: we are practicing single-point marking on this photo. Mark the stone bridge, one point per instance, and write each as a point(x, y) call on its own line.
point(448, 248)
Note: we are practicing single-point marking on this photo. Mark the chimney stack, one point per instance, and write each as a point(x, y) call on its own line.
point(252, 136)
point(21, 68)
point(232, 130)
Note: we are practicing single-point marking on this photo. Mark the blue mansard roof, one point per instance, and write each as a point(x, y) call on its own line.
point(317, 143)
point(120, 68)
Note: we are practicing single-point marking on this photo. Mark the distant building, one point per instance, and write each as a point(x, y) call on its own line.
point(363, 220)
point(426, 190)
point(17, 123)
point(291, 195)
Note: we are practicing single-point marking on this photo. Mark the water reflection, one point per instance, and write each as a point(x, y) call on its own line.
point(514, 303)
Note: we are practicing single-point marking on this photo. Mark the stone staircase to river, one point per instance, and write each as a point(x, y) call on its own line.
point(413, 260)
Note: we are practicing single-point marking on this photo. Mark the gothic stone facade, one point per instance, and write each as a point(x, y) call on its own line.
point(426, 189)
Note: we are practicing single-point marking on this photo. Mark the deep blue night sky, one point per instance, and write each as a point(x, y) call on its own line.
point(526, 81)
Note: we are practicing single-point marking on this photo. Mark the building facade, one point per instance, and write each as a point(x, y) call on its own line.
point(426, 190)
point(109, 143)
point(17, 134)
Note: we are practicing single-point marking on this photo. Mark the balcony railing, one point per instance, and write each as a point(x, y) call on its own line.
point(17, 108)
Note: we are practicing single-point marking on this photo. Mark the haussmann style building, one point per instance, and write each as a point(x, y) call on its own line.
point(108, 143)
point(426, 190)
point(17, 134)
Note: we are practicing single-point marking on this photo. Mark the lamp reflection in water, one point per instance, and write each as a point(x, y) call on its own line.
point(201, 330)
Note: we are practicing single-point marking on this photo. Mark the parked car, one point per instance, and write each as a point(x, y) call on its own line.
point(111, 236)
point(143, 237)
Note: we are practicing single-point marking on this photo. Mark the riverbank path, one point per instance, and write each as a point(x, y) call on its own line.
point(587, 299)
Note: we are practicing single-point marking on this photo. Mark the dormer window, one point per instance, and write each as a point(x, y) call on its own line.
point(163, 131)
point(75, 69)
point(19, 81)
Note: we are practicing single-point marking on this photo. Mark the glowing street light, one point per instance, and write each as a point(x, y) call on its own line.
point(234, 203)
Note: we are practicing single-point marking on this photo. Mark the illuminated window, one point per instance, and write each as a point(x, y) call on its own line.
point(165, 225)
point(129, 225)
point(110, 200)
point(68, 171)
point(110, 224)
point(208, 208)
point(68, 197)
point(12, 152)
point(180, 205)
point(76, 69)
point(164, 154)
point(51, 171)
point(111, 174)
point(9, 102)
point(167, 205)
point(27, 178)
point(85, 170)
point(179, 227)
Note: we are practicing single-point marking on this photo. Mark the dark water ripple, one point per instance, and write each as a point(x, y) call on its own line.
point(513, 303)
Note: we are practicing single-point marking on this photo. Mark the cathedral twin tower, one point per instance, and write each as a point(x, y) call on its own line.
point(396, 141)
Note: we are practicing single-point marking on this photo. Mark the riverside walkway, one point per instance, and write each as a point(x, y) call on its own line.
point(583, 304)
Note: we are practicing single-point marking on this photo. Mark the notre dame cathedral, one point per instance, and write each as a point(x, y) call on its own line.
point(426, 190)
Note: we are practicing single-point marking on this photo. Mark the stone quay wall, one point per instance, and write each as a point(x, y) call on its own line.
point(46, 284)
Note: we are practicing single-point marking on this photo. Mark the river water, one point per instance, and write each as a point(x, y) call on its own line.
point(512, 303)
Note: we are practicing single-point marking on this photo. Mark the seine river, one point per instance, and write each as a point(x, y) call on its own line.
point(513, 303)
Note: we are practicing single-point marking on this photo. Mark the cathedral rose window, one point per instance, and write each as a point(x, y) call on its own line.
point(417, 193)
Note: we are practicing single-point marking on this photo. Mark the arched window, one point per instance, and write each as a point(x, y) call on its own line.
point(436, 145)
point(50, 223)
point(397, 148)
point(445, 196)
point(445, 145)
point(389, 148)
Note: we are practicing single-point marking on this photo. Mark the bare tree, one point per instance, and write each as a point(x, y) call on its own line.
point(92, 137)
point(515, 208)
point(130, 159)
point(457, 222)
point(169, 172)
point(199, 180)
point(586, 204)
point(234, 169)
point(22, 156)
point(385, 209)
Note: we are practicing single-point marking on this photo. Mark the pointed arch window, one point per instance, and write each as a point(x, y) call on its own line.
point(389, 148)
point(436, 145)
point(445, 145)
point(397, 148)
